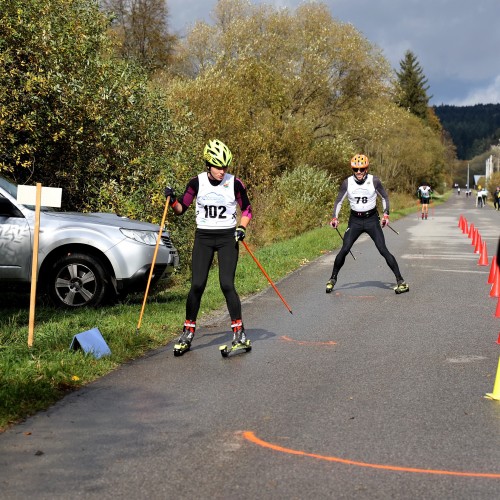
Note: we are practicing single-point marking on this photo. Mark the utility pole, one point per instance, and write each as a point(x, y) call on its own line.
point(489, 168)
point(496, 154)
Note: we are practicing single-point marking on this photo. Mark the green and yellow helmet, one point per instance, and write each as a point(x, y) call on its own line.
point(217, 154)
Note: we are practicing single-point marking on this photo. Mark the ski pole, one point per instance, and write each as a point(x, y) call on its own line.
point(266, 275)
point(337, 229)
point(391, 228)
point(153, 263)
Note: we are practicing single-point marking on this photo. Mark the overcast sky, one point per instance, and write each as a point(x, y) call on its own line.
point(457, 42)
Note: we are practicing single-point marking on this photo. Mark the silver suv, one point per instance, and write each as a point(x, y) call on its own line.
point(84, 259)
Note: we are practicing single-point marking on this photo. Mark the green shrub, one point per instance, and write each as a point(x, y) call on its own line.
point(297, 201)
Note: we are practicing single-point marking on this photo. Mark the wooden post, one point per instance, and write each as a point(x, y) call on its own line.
point(163, 220)
point(34, 265)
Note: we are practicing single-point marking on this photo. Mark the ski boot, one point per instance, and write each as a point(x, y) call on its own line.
point(401, 287)
point(330, 284)
point(184, 342)
point(422, 215)
point(240, 340)
point(425, 216)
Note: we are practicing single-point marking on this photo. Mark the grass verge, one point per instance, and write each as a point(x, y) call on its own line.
point(31, 379)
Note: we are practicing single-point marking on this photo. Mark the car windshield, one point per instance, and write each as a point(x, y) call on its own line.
point(9, 187)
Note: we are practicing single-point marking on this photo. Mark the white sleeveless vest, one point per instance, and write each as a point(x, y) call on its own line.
point(425, 191)
point(362, 197)
point(215, 205)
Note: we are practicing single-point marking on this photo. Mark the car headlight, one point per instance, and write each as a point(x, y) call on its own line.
point(145, 237)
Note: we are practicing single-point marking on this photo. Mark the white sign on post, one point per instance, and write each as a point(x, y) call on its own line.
point(38, 196)
point(51, 197)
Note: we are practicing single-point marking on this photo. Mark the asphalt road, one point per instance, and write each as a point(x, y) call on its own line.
point(360, 394)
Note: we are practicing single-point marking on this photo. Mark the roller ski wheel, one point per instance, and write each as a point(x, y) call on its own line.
point(401, 287)
point(180, 349)
point(225, 350)
point(330, 284)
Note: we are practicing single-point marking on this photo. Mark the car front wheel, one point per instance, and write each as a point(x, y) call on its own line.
point(77, 280)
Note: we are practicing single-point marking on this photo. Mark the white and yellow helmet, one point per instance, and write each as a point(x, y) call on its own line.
point(217, 154)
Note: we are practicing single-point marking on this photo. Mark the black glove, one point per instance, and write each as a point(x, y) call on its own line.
point(169, 191)
point(239, 234)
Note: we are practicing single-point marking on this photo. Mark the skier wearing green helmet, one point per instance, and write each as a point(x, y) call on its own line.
point(217, 194)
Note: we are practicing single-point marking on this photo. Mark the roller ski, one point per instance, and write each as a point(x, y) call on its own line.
point(184, 342)
point(240, 341)
point(330, 284)
point(226, 350)
point(401, 287)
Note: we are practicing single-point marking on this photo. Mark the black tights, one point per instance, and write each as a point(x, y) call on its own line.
point(206, 243)
point(357, 226)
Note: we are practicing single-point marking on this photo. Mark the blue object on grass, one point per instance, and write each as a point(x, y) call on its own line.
point(92, 342)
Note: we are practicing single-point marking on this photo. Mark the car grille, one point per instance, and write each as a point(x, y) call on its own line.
point(166, 240)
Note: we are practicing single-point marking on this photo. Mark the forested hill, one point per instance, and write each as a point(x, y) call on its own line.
point(473, 129)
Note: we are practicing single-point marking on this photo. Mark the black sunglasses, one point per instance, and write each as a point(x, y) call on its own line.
point(361, 169)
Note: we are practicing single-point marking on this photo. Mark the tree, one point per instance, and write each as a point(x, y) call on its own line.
point(413, 86)
point(280, 86)
point(141, 31)
point(291, 88)
point(71, 113)
point(401, 148)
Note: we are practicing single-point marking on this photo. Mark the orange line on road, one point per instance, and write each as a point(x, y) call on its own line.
point(304, 342)
point(250, 436)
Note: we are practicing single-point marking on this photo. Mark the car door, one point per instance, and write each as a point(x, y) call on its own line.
point(15, 243)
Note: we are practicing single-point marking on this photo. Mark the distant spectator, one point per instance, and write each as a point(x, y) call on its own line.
point(424, 192)
point(481, 197)
point(484, 194)
point(496, 198)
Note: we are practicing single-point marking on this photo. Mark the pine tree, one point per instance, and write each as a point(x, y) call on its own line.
point(413, 85)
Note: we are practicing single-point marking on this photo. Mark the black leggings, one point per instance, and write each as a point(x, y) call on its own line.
point(206, 243)
point(370, 225)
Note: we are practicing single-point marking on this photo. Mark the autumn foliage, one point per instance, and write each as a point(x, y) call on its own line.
point(294, 94)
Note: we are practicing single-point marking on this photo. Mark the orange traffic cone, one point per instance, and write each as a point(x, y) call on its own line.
point(460, 220)
point(463, 224)
point(483, 258)
point(470, 234)
point(493, 270)
point(465, 229)
point(474, 237)
point(479, 242)
point(495, 288)
point(498, 340)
